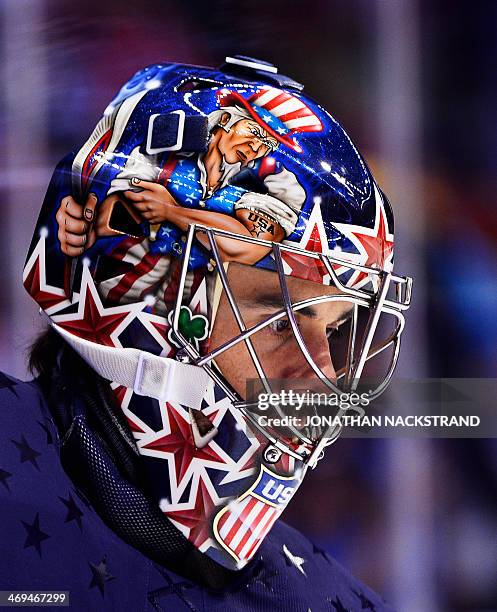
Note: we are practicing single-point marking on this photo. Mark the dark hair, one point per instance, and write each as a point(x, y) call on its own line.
point(63, 375)
point(46, 355)
point(43, 352)
point(55, 362)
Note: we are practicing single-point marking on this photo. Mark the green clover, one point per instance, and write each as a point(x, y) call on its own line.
point(192, 327)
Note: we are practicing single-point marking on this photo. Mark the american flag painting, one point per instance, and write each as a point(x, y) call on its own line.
point(281, 113)
point(241, 526)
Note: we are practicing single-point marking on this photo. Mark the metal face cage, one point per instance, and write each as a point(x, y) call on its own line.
point(390, 295)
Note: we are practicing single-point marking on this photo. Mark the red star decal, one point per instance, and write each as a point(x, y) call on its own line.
point(377, 247)
point(94, 326)
point(196, 519)
point(34, 280)
point(179, 442)
point(133, 425)
point(93, 321)
point(120, 393)
point(33, 284)
point(304, 267)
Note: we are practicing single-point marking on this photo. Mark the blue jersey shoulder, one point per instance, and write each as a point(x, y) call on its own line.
point(320, 579)
point(8, 385)
point(53, 539)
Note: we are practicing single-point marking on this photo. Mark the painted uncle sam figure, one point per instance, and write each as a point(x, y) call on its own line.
point(235, 185)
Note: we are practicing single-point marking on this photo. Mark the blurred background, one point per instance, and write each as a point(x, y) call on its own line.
point(413, 82)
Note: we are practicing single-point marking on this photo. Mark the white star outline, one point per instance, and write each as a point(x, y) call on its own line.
point(208, 542)
point(178, 488)
point(39, 254)
point(347, 229)
point(148, 320)
point(222, 408)
point(296, 561)
point(197, 470)
point(88, 285)
point(197, 467)
point(316, 220)
point(131, 416)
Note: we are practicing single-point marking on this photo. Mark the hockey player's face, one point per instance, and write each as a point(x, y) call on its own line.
point(244, 142)
point(258, 296)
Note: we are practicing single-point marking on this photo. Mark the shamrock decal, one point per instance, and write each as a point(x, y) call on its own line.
point(193, 327)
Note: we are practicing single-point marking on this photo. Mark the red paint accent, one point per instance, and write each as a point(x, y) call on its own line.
point(146, 264)
point(267, 167)
point(308, 128)
point(282, 97)
point(167, 170)
point(377, 248)
point(120, 393)
point(134, 426)
point(33, 286)
point(94, 326)
point(297, 114)
point(179, 442)
point(67, 276)
point(90, 163)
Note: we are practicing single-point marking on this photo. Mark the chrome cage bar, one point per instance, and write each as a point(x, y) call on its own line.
point(377, 302)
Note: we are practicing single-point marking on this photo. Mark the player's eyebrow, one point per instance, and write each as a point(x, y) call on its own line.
point(275, 302)
point(272, 302)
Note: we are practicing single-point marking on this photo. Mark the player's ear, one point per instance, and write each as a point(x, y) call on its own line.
point(225, 117)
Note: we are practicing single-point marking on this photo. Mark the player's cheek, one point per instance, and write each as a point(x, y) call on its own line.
point(266, 343)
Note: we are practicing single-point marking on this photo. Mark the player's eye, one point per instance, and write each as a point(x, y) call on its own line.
point(279, 327)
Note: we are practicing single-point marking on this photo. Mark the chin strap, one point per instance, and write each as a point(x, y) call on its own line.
point(159, 377)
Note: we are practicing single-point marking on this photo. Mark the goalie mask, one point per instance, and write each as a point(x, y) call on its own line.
point(216, 245)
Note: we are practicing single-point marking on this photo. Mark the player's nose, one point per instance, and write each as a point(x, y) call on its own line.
point(317, 344)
